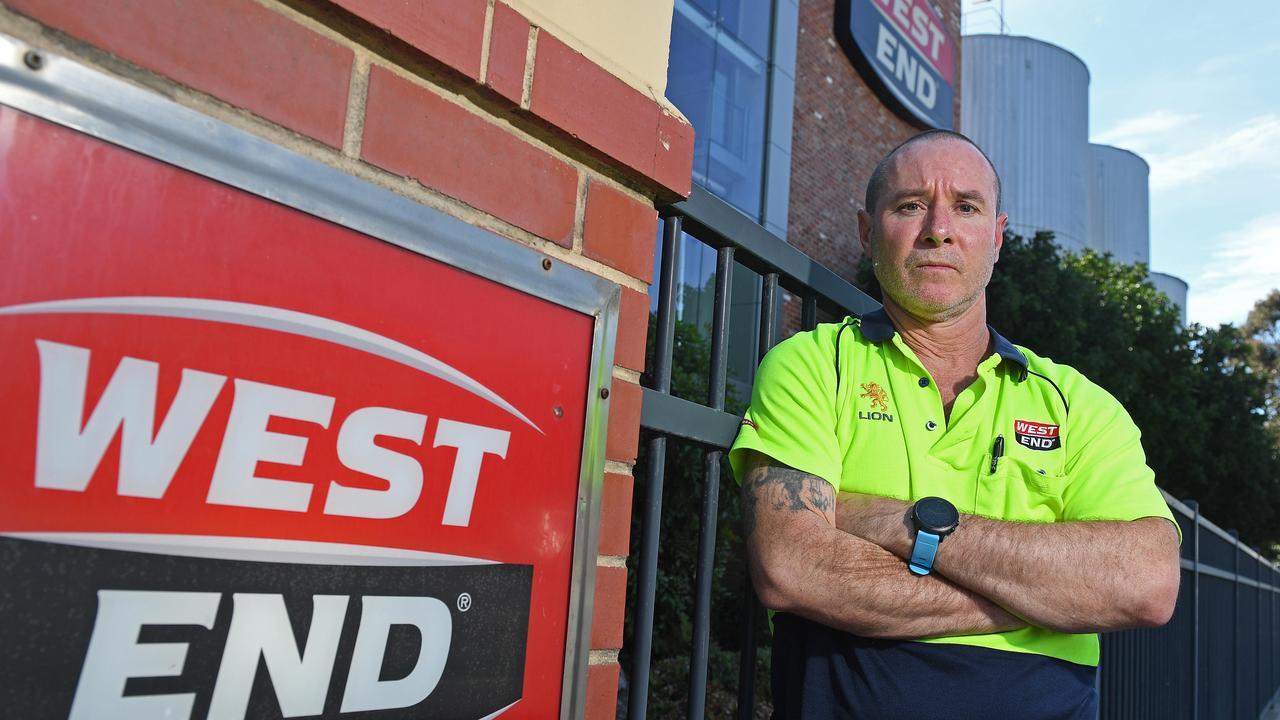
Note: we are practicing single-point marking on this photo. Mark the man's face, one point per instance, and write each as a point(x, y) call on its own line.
point(935, 235)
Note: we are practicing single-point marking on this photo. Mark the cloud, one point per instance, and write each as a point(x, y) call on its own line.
point(1216, 65)
point(1140, 131)
point(1242, 267)
point(1254, 145)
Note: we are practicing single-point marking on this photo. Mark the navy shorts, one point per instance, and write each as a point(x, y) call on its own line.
point(823, 673)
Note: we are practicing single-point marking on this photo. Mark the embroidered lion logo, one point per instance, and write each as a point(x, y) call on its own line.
point(879, 398)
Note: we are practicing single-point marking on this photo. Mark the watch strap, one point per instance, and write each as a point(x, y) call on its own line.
point(923, 552)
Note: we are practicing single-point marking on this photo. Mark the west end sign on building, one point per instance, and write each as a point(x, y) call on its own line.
point(903, 50)
point(266, 452)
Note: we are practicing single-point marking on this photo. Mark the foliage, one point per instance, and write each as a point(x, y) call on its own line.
point(1192, 390)
point(1262, 329)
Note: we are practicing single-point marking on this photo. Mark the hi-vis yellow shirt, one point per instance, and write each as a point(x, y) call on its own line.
point(868, 418)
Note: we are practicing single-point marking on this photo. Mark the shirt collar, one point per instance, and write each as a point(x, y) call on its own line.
point(877, 328)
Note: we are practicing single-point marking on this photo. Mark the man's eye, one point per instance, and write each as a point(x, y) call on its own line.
point(911, 206)
point(967, 208)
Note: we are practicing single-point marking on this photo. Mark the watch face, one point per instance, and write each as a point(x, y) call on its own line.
point(936, 515)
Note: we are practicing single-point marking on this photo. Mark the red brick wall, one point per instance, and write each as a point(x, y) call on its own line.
point(462, 105)
point(841, 131)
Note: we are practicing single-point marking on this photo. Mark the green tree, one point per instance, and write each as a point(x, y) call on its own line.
point(1262, 328)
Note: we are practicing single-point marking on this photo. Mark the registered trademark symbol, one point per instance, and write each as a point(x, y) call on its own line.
point(464, 602)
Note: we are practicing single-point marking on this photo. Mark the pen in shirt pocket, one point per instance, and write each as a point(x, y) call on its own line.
point(997, 451)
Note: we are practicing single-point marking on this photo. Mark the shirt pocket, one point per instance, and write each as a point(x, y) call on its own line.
point(1019, 491)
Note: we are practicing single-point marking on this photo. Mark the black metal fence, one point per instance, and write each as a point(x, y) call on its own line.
point(1217, 658)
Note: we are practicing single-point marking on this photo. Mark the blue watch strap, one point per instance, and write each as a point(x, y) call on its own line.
point(922, 553)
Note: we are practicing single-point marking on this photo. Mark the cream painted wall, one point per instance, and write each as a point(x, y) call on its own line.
point(630, 38)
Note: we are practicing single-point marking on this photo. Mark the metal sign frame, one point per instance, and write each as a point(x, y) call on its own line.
point(70, 94)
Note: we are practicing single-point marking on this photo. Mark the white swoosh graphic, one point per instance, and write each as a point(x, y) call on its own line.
point(272, 318)
point(219, 547)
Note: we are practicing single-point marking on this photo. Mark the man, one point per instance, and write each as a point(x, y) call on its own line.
point(942, 520)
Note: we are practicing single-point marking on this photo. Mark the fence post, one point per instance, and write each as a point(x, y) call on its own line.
point(647, 579)
point(1235, 623)
point(1195, 609)
point(710, 492)
point(747, 659)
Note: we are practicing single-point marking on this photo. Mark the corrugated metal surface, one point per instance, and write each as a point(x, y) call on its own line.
point(1119, 204)
point(1026, 103)
point(1175, 288)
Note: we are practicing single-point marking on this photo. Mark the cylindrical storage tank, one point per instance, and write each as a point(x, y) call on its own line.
point(1026, 104)
point(1119, 204)
point(1175, 288)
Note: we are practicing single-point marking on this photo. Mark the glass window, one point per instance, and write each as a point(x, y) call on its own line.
point(717, 76)
point(749, 21)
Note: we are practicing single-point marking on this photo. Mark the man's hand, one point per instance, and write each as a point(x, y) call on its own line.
point(1086, 576)
point(801, 563)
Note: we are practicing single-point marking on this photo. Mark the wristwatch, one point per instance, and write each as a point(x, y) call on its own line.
point(934, 519)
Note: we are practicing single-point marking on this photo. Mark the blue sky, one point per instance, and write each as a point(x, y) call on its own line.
point(1194, 88)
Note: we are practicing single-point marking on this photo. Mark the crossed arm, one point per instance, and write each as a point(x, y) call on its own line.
point(841, 564)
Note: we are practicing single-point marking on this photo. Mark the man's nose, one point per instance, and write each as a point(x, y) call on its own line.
point(937, 227)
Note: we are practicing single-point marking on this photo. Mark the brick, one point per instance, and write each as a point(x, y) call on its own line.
point(633, 330)
point(602, 692)
point(624, 422)
point(450, 31)
point(609, 608)
point(620, 231)
point(623, 122)
point(508, 48)
point(673, 167)
point(411, 131)
point(615, 514)
point(234, 50)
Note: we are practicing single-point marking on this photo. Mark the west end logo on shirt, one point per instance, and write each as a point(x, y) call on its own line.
point(1037, 436)
point(879, 403)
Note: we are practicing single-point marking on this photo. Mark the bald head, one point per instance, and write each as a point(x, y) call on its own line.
point(880, 176)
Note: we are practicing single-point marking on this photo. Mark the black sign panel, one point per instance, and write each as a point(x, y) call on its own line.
point(98, 633)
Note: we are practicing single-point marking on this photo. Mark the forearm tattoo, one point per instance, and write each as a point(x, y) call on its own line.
point(779, 489)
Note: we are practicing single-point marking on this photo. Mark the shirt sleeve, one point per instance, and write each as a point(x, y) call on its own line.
point(1109, 478)
point(792, 414)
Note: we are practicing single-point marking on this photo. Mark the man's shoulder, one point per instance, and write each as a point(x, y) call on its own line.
point(818, 342)
point(1076, 388)
point(810, 356)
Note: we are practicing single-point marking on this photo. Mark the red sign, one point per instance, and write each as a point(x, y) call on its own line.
point(211, 399)
point(1027, 427)
point(919, 23)
point(905, 52)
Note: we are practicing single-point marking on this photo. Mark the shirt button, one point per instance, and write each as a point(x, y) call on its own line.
point(924, 382)
point(931, 425)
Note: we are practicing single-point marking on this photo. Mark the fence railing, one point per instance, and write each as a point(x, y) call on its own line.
point(1217, 658)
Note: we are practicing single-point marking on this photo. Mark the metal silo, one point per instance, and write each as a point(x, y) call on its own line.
point(1026, 103)
point(1119, 204)
point(1175, 288)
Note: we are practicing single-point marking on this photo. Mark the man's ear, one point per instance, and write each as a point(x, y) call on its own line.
point(864, 232)
point(1002, 220)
